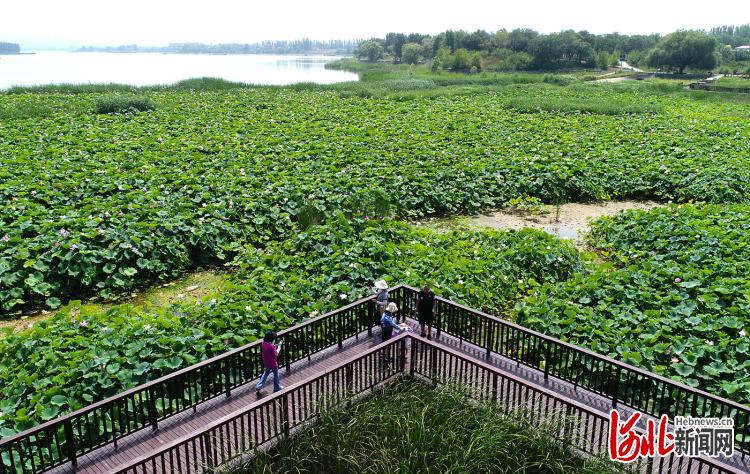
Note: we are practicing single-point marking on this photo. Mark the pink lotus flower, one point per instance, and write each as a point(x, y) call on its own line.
point(675, 360)
point(226, 342)
point(677, 280)
point(6, 238)
point(743, 333)
point(74, 247)
point(84, 324)
point(64, 232)
point(367, 218)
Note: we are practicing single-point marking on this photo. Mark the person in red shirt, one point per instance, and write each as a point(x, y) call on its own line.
point(269, 353)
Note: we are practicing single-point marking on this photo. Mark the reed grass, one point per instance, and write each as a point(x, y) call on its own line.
point(414, 428)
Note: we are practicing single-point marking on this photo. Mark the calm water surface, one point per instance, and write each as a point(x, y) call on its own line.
point(155, 68)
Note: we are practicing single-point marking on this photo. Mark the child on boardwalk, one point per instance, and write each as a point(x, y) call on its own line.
point(269, 353)
point(388, 322)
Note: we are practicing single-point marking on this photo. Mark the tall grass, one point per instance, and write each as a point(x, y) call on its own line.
point(199, 83)
point(121, 103)
point(414, 428)
point(603, 106)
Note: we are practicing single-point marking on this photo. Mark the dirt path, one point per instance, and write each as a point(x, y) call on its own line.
point(573, 218)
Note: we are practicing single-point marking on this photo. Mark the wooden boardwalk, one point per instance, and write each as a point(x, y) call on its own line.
point(109, 458)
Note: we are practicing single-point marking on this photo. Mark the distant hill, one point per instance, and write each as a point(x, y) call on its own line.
point(303, 46)
point(9, 48)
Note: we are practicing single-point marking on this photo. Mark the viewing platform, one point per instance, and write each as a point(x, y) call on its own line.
point(209, 415)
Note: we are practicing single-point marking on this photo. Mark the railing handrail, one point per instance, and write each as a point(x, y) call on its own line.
point(267, 400)
point(588, 352)
point(175, 375)
point(565, 400)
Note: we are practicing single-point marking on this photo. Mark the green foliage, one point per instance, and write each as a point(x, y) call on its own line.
point(683, 49)
point(113, 202)
point(531, 104)
point(676, 303)
point(411, 428)
point(120, 104)
point(73, 355)
point(526, 205)
point(411, 53)
point(370, 50)
point(734, 82)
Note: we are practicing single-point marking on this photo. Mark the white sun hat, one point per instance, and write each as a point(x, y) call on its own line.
point(392, 307)
point(381, 285)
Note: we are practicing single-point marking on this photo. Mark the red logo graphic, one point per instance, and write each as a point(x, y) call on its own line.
point(626, 445)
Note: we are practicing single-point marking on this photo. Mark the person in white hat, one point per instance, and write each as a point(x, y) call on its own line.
point(388, 322)
point(381, 296)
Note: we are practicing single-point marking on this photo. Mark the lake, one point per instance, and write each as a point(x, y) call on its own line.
point(155, 68)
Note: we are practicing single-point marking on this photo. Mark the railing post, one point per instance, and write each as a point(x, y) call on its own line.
point(288, 340)
point(208, 460)
point(568, 427)
point(285, 414)
point(349, 373)
point(370, 317)
point(70, 444)
point(439, 318)
point(228, 376)
point(490, 327)
point(340, 329)
point(494, 387)
point(403, 354)
point(616, 388)
point(413, 356)
point(433, 364)
point(547, 359)
point(152, 414)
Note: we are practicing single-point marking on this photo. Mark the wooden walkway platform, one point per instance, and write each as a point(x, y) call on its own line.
point(109, 458)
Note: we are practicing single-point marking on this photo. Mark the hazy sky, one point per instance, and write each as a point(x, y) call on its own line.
point(158, 22)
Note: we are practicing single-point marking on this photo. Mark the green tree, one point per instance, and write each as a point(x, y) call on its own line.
point(370, 50)
point(437, 64)
point(682, 49)
point(411, 53)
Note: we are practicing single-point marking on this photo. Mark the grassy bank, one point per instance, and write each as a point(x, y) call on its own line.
point(413, 428)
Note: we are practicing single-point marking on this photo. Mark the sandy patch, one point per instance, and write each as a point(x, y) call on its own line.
point(572, 222)
point(614, 79)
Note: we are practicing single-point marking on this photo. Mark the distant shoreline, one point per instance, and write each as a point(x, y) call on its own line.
point(327, 54)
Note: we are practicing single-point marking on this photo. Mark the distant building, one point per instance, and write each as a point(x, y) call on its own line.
point(742, 48)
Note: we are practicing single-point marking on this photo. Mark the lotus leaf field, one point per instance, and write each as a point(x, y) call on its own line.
point(303, 194)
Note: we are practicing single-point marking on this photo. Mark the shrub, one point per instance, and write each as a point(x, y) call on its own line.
point(117, 104)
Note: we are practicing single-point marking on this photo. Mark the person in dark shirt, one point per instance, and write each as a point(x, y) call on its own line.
point(426, 311)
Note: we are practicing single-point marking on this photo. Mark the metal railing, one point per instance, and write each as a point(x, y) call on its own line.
point(621, 383)
point(261, 426)
point(68, 437)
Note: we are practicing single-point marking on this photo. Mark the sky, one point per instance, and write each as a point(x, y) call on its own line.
point(35, 23)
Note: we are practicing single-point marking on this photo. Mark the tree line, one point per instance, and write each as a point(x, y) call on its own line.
point(302, 46)
point(526, 49)
point(9, 48)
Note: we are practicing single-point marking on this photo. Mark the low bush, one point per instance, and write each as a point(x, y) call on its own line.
point(114, 104)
